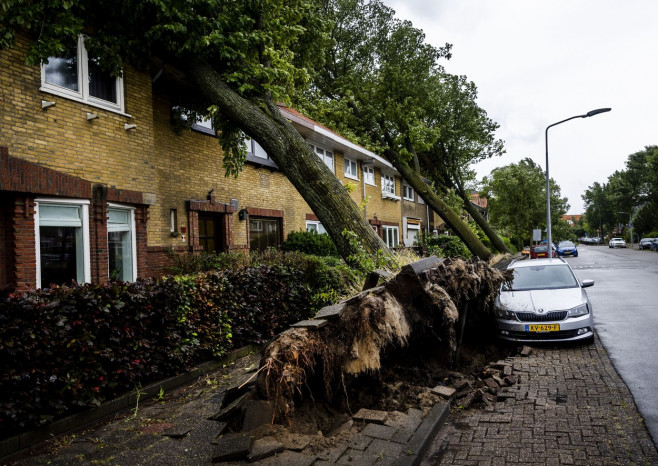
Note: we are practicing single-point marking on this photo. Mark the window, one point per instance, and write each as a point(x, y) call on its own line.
point(350, 169)
point(121, 243)
point(391, 236)
point(312, 225)
point(408, 192)
point(326, 156)
point(369, 175)
point(264, 233)
point(62, 242)
point(75, 75)
point(253, 148)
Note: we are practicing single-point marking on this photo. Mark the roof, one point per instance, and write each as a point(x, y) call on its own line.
point(315, 131)
point(535, 262)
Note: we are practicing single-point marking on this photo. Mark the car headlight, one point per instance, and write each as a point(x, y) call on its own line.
point(578, 311)
point(505, 314)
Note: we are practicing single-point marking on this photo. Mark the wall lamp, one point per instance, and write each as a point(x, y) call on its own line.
point(91, 116)
point(128, 127)
point(47, 104)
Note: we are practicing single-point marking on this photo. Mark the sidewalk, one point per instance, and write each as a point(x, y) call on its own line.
point(569, 406)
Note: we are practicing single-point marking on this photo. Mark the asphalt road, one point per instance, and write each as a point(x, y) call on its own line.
point(625, 302)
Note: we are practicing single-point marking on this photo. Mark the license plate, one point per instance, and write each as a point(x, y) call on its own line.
point(567, 253)
point(543, 328)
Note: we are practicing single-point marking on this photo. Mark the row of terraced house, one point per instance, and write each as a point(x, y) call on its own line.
point(96, 182)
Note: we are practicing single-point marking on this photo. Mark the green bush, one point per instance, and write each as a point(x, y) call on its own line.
point(444, 246)
point(68, 348)
point(309, 242)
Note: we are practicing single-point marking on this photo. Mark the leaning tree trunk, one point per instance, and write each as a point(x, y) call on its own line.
point(482, 223)
point(321, 190)
point(448, 215)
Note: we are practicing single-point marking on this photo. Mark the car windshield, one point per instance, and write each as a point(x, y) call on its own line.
point(542, 277)
point(566, 244)
point(540, 248)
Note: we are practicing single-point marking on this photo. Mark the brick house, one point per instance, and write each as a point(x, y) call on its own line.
point(96, 183)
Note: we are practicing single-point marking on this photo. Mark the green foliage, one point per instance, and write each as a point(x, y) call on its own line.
point(363, 262)
point(310, 242)
point(74, 347)
point(444, 246)
point(517, 199)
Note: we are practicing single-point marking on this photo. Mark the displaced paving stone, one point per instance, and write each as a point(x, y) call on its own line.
point(444, 391)
point(468, 400)
point(331, 312)
point(232, 447)
point(297, 442)
point(257, 413)
point(264, 448)
point(370, 416)
point(526, 351)
point(379, 431)
point(313, 323)
point(231, 409)
point(510, 380)
point(178, 430)
point(491, 385)
point(331, 455)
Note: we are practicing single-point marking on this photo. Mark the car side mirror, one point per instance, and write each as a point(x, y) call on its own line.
point(587, 283)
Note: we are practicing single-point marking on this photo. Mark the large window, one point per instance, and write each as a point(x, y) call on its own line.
point(255, 149)
point(350, 169)
point(408, 192)
point(369, 175)
point(121, 243)
point(76, 75)
point(264, 233)
point(388, 184)
point(326, 156)
point(391, 236)
point(62, 242)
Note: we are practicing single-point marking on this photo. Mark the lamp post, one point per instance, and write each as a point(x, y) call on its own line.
point(548, 187)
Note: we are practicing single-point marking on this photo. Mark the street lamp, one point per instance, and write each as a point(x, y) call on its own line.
point(548, 188)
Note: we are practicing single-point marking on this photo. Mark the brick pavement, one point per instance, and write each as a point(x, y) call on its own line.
point(570, 407)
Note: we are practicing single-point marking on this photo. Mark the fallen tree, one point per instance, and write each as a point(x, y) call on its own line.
point(432, 301)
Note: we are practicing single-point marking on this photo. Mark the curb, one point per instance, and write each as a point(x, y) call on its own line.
point(77, 421)
point(421, 440)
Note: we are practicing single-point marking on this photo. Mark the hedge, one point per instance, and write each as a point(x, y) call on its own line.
point(65, 349)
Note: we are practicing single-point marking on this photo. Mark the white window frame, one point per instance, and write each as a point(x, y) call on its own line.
point(369, 176)
point(391, 235)
point(388, 187)
point(133, 234)
point(82, 95)
point(408, 192)
point(84, 217)
point(351, 169)
point(316, 226)
point(254, 148)
point(325, 155)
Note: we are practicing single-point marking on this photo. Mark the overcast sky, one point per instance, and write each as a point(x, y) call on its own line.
point(536, 63)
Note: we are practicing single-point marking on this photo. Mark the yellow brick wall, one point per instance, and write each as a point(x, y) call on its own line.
point(61, 138)
point(189, 165)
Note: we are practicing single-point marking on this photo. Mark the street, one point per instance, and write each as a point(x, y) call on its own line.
point(625, 299)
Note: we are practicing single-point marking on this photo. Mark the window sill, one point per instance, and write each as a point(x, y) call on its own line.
point(409, 199)
point(390, 196)
point(86, 102)
point(261, 162)
point(354, 178)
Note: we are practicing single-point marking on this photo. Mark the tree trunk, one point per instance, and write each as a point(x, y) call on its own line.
point(482, 223)
point(321, 190)
point(451, 218)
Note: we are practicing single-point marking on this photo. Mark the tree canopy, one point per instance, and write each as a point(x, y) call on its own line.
point(517, 199)
point(237, 61)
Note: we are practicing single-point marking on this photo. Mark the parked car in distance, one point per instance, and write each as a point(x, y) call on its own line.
point(617, 243)
point(540, 250)
point(544, 302)
point(566, 248)
point(645, 243)
point(654, 245)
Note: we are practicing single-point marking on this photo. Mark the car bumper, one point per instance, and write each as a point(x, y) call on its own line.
point(578, 328)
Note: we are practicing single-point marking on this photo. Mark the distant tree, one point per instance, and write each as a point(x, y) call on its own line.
point(517, 199)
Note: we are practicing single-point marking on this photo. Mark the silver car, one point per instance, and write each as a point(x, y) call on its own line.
point(544, 302)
